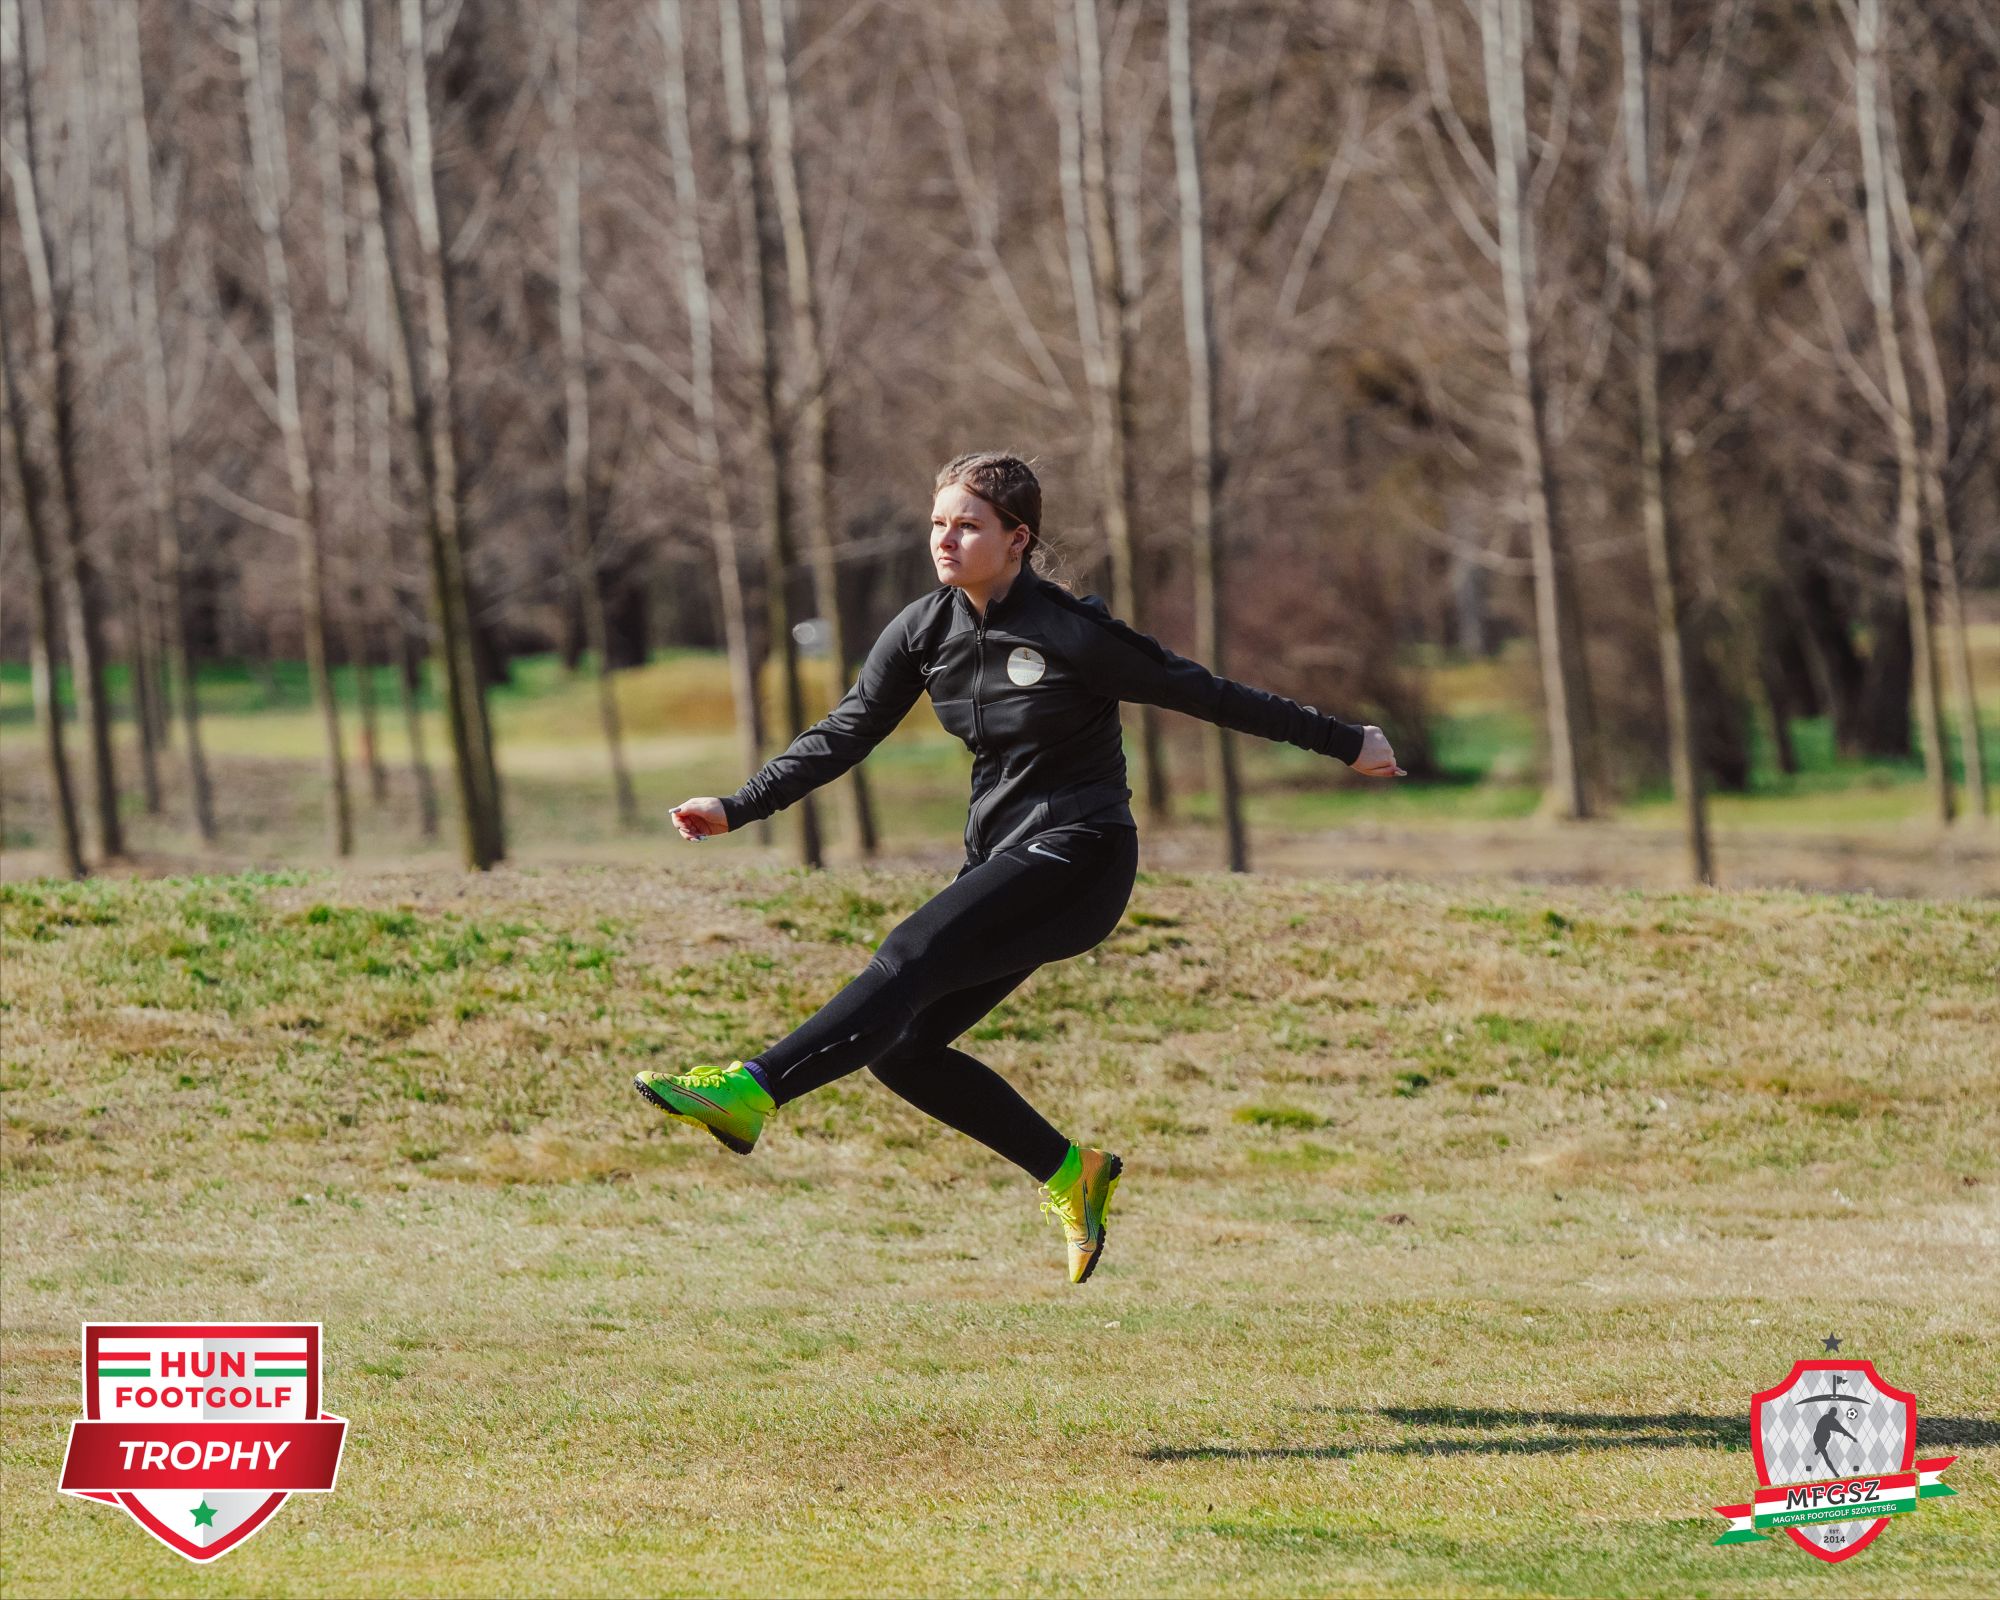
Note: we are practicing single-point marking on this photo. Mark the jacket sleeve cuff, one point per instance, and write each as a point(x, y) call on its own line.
point(736, 813)
point(1343, 740)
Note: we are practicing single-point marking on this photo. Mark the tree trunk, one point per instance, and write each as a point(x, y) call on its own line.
point(576, 404)
point(51, 284)
point(815, 453)
point(162, 501)
point(427, 362)
point(773, 432)
point(1909, 547)
point(1560, 647)
point(1206, 456)
point(43, 586)
point(111, 331)
point(1662, 534)
point(346, 496)
point(145, 722)
point(1107, 324)
point(1936, 501)
point(268, 188)
point(701, 338)
point(389, 391)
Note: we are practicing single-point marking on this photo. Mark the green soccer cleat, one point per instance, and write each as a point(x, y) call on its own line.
point(727, 1101)
point(1078, 1197)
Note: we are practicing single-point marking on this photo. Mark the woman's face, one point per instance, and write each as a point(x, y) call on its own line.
point(971, 545)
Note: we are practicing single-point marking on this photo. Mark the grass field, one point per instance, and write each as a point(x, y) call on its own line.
point(1460, 1223)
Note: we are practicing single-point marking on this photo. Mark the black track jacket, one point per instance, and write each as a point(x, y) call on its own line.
point(1033, 689)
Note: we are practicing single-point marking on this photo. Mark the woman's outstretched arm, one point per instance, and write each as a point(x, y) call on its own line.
point(1134, 666)
point(888, 685)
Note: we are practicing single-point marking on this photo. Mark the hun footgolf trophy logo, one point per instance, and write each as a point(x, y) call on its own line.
point(200, 1429)
point(1836, 1454)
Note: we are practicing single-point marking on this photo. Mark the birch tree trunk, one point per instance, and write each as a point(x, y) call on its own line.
point(1936, 500)
point(1206, 456)
point(1663, 552)
point(815, 451)
point(43, 592)
point(267, 186)
point(162, 497)
point(1555, 622)
point(576, 402)
point(112, 333)
point(340, 312)
point(427, 361)
point(701, 340)
point(1909, 546)
point(389, 391)
point(1107, 320)
point(773, 434)
point(51, 284)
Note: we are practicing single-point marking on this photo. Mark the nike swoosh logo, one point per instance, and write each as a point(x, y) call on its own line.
point(1038, 849)
point(927, 671)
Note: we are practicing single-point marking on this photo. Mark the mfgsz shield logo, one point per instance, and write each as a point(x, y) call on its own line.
point(1836, 1453)
point(199, 1430)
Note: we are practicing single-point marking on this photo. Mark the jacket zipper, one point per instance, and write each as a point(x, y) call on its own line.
point(978, 729)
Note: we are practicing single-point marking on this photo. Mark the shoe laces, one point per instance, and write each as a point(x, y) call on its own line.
point(707, 1075)
point(1066, 1207)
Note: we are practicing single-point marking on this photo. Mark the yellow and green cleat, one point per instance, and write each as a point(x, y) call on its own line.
point(727, 1101)
point(1078, 1197)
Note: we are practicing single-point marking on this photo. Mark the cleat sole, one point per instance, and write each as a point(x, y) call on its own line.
point(742, 1147)
point(1103, 1221)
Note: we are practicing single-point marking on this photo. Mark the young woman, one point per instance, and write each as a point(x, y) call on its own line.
point(1030, 676)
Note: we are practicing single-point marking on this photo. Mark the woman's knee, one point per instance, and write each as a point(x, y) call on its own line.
point(905, 1055)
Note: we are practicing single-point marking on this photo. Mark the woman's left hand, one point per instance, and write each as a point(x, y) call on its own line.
point(1376, 760)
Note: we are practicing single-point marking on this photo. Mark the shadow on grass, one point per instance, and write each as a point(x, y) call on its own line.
point(1574, 1430)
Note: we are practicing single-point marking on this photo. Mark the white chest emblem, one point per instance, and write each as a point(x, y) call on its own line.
point(1025, 666)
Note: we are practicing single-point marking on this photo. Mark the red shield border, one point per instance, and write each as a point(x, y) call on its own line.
point(93, 1332)
point(1907, 1464)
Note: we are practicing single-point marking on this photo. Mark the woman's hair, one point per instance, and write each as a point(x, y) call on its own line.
point(1009, 485)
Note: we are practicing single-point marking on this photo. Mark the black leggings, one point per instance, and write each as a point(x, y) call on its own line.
point(949, 963)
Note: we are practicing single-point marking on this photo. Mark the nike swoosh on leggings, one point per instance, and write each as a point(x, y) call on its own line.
point(1032, 687)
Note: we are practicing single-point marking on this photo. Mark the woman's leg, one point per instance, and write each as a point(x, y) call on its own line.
point(1012, 912)
point(964, 1092)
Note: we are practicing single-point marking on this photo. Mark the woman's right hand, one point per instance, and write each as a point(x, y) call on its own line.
point(700, 817)
point(1376, 760)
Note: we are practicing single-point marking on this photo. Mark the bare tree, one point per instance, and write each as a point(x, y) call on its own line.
point(43, 591)
point(1937, 502)
point(1108, 327)
point(1556, 621)
point(51, 285)
point(111, 336)
point(814, 456)
point(576, 400)
point(343, 502)
point(432, 415)
point(773, 432)
point(701, 340)
point(1655, 506)
point(389, 393)
point(162, 497)
point(1206, 456)
point(267, 186)
point(1909, 547)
